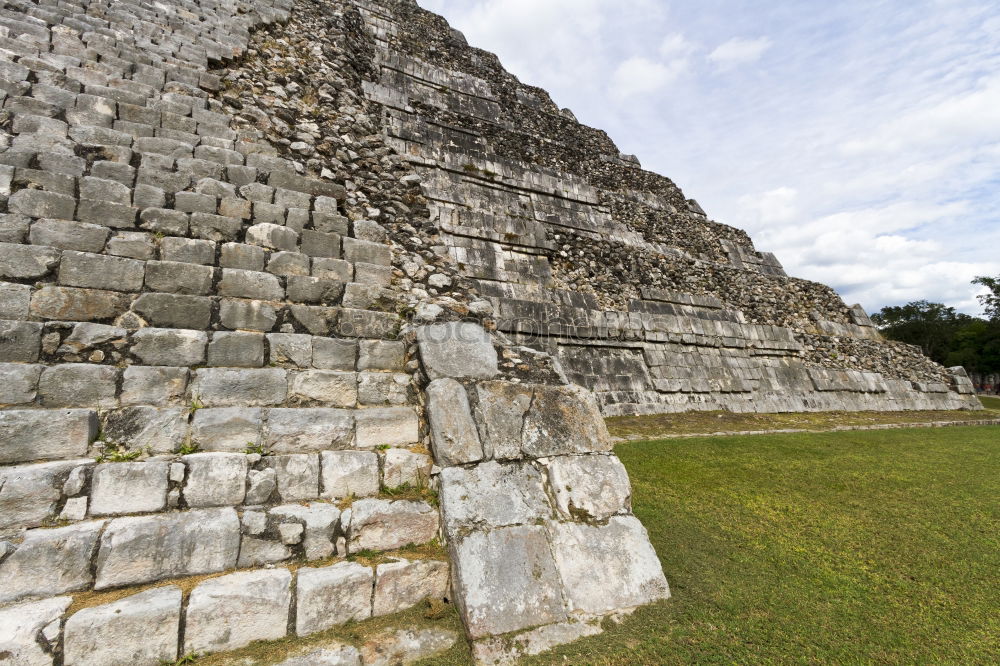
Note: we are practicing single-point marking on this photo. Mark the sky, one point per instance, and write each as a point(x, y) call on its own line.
point(859, 140)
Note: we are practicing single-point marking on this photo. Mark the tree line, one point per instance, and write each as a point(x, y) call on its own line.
point(951, 338)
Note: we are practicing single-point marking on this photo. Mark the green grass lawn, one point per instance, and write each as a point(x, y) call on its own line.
point(836, 548)
point(990, 402)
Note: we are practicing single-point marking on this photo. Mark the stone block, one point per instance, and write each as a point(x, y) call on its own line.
point(26, 262)
point(15, 299)
point(380, 276)
point(319, 244)
point(366, 252)
point(402, 467)
point(493, 495)
point(384, 355)
point(21, 625)
point(564, 420)
point(37, 203)
point(132, 244)
point(69, 304)
point(13, 228)
point(193, 202)
point(320, 291)
point(40, 434)
point(289, 264)
point(242, 257)
point(318, 321)
point(176, 277)
point(50, 562)
point(334, 353)
point(333, 269)
point(256, 552)
point(382, 388)
point(109, 214)
point(78, 385)
point(340, 655)
point(157, 429)
point(98, 271)
point(328, 387)
point(20, 341)
point(140, 629)
point(217, 228)
point(403, 584)
point(250, 284)
point(307, 430)
point(453, 431)
point(175, 311)
point(188, 250)
point(501, 650)
point(236, 349)
point(605, 568)
point(29, 494)
point(215, 479)
point(273, 236)
point(297, 476)
point(349, 473)
point(67, 235)
point(142, 385)
point(228, 429)
point(120, 488)
point(261, 485)
point(290, 350)
point(143, 549)
point(368, 324)
point(86, 336)
point(20, 383)
point(377, 524)
point(500, 415)
point(230, 387)
point(459, 350)
point(361, 296)
point(169, 346)
point(332, 595)
point(250, 315)
point(386, 426)
point(320, 520)
point(589, 487)
point(232, 611)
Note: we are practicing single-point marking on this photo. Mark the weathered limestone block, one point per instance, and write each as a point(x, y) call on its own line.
point(607, 568)
point(137, 487)
point(334, 353)
point(332, 595)
point(297, 476)
point(402, 584)
point(385, 355)
point(169, 346)
point(29, 494)
point(20, 384)
point(161, 430)
point(346, 655)
point(215, 479)
point(510, 650)
point(290, 349)
point(261, 484)
point(27, 435)
point(141, 629)
point(21, 262)
point(21, 341)
point(304, 430)
point(20, 627)
point(320, 521)
point(453, 432)
point(256, 552)
point(227, 428)
point(347, 473)
point(377, 524)
point(401, 467)
point(231, 387)
point(500, 416)
point(386, 426)
point(460, 350)
point(493, 495)
point(50, 562)
point(506, 580)
point(589, 487)
point(142, 385)
point(141, 549)
point(406, 646)
point(337, 389)
point(236, 349)
point(71, 304)
point(78, 385)
point(232, 611)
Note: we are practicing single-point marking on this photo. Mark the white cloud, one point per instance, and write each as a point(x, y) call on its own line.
point(739, 51)
point(640, 76)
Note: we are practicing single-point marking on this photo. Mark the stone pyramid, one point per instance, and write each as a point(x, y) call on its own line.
point(288, 283)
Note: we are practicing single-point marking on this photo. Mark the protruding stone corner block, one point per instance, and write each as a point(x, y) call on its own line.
point(460, 350)
point(20, 627)
point(607, 568)
point(592, 487)
point(453, 431)
point(140, 629)
point(232, 611)
point(506, 580)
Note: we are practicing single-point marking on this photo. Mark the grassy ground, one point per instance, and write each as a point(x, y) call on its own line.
point(702, 423)
point(835, 548)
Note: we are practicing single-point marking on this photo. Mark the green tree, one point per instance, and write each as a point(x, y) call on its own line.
point(930, 326)
point(990, 301)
